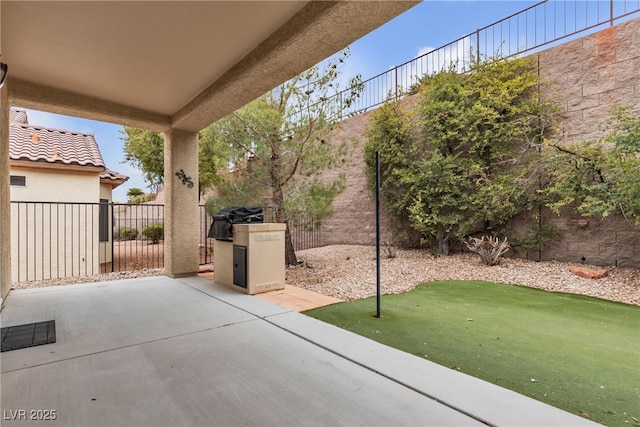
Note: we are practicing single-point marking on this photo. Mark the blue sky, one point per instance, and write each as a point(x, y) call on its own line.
point(430, 24)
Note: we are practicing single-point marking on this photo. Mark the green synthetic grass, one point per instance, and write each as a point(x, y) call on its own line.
point(574, 352)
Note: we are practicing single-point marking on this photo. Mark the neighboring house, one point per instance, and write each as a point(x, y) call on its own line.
point(62, 180)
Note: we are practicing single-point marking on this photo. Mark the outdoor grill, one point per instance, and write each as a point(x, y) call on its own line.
point(223, 221)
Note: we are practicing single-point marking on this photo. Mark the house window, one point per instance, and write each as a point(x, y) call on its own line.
point(18, 180)
point(103, 219)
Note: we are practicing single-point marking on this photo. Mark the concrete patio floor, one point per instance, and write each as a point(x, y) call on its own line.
point(163, 352)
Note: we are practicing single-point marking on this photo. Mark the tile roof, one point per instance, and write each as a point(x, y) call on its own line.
point(17, 115)
point(113, 175)
point(41, 144)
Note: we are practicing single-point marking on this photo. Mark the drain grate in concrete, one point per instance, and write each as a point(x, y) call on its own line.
point(28, 335)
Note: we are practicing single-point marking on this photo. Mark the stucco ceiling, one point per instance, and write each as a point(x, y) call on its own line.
point(157, 64)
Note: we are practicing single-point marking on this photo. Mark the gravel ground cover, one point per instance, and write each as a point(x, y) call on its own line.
point(349, 272)
point(105, 277)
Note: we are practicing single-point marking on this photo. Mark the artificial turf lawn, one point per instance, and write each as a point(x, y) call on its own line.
point(578, 353)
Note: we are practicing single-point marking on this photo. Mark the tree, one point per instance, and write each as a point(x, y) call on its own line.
point(137, 196)
point(457, 164)
point(144, 149)
point(281, 143)
point(598, 177)
point(134, 192)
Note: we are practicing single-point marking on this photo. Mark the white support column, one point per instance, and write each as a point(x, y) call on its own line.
point(5, 196)
point(181, 233)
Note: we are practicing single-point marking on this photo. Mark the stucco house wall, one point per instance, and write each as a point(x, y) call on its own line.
point(58, 180)
point(56, 185)
point(45, 231)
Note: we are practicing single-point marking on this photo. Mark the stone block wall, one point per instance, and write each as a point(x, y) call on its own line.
point(353, 221)
point(354, 218)
point(586, 77)
point(609, 242)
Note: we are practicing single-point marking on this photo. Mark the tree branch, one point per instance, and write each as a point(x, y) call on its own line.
point(585, 158)
point(259, 181)
point(244, 146)
point(285, 95)
point(299, 155)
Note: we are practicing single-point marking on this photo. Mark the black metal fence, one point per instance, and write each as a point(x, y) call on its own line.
point(535, 28)
point(52, 240)
point(304, 230)
point(138, 237)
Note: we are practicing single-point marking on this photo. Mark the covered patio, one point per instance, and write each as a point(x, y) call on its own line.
point(179, 349)
point(169, 66)
point(160, 351)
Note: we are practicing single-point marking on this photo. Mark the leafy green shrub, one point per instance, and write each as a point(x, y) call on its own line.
point(460, 160)
point(598, 177)
point(154, 232)
point(136, 200)
point(128, 233)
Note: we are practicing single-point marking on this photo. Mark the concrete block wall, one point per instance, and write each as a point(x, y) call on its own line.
point(609, 242)
point(353, 221)
point(588, 76)
point(585, 77)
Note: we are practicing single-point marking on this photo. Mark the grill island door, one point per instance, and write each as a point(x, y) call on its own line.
point(240, 265)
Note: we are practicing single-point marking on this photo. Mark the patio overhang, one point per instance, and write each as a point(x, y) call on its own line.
point(158, 65)
point(173, 67)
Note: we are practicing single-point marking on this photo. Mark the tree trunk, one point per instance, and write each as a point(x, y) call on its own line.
point(443, 243)
point(290, 257)
point(281, 217)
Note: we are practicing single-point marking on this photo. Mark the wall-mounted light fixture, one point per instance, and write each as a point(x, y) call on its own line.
point(3, 72)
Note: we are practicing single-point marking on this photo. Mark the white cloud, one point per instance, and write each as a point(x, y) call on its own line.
point(455, 56)
point(427, 61)
point(425, 50)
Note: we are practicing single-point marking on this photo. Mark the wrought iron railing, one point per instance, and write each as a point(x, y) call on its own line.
point(535, 28)
point(54, 240)
point(304, 229)
point(134, 245)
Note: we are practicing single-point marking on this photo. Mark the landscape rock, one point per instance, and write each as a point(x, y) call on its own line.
point(348, 272)
point(588, 273)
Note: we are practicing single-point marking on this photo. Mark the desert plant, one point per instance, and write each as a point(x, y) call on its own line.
point(142, 198)
point(133, 194)
point(490, 249)
point(128, 233)
point(389, 249)
point(154, 232)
